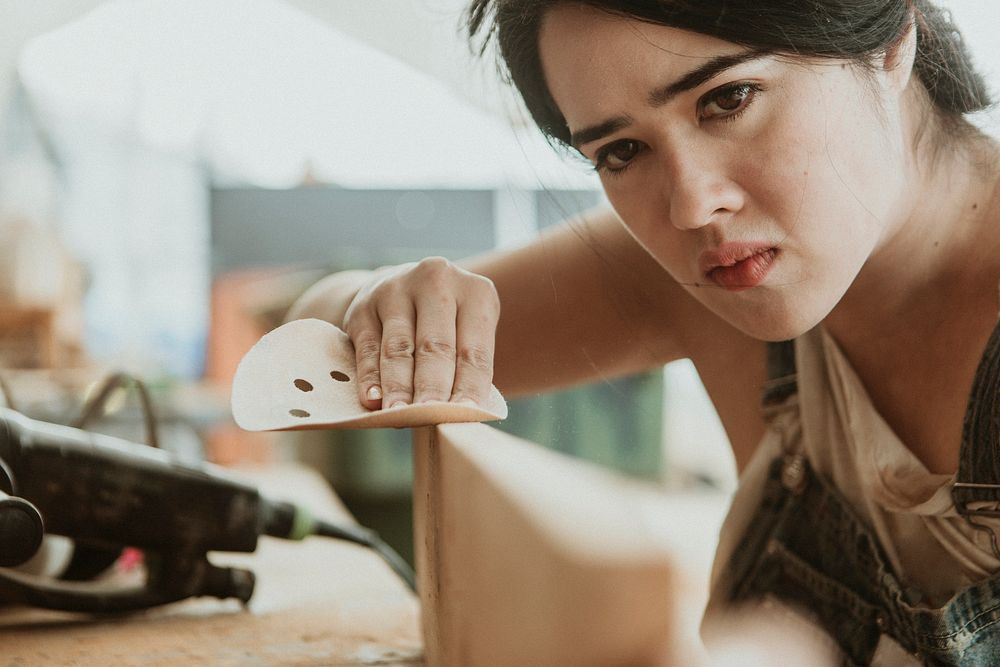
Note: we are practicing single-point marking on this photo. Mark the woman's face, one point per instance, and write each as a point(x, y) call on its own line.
point(761, 184)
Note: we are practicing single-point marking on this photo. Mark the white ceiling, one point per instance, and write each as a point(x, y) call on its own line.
point(267, 98)
point(425, 33)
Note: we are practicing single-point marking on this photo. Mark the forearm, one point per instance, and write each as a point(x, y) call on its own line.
point(582, 303)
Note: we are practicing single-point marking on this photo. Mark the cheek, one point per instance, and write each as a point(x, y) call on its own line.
point(644, 216)
point(856, 168)
point(828, 182)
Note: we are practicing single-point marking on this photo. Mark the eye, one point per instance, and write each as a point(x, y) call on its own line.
point(617, 155)
point(727, 102)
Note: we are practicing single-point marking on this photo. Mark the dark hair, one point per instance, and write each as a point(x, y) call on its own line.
point(855, 30)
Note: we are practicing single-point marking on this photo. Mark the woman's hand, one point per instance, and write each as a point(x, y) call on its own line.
point(423, 332)
point(583, 302)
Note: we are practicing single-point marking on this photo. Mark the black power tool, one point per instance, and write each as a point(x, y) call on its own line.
point(106, 494)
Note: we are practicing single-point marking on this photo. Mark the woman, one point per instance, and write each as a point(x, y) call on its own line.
point(779, 171)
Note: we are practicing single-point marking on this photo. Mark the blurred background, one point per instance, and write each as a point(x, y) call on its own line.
point(174, 173)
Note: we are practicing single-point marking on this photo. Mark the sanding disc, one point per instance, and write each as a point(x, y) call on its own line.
point(303, 375)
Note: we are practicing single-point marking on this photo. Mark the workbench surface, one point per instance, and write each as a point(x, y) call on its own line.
point(317, 602)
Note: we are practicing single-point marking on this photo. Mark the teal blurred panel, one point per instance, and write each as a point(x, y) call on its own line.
point(372, 462)
point(618, 424)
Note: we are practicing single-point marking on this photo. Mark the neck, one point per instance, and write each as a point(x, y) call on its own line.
point(937, 260)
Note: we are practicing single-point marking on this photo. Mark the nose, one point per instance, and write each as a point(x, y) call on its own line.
point(700, 190)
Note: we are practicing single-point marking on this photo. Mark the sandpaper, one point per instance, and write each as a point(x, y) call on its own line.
point(303, 375)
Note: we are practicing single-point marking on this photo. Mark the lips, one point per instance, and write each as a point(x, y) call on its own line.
point(738, 266)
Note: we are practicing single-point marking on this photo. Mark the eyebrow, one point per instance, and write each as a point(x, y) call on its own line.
point(660, 96)
point(599, 131)
point(700, 75)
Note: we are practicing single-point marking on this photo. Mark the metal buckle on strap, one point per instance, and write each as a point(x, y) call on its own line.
point(793, 473)
point(962, 506)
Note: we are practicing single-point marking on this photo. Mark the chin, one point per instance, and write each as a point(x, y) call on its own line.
point(777, 322)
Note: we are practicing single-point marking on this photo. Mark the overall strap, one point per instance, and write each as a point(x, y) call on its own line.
point(978, 478)
point(781, 377)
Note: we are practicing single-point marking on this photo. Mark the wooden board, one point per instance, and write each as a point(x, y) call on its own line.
point(527, 557)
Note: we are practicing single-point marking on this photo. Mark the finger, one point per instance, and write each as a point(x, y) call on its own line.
point(475, 344)
point(396, 360)
point(366, 334)
point(434, 353)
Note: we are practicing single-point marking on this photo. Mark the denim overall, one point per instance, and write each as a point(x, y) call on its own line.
point(806, 547)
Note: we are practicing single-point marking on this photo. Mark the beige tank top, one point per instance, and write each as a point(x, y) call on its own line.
point(934, 551)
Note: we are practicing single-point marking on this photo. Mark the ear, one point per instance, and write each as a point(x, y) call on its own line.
point(897, 63)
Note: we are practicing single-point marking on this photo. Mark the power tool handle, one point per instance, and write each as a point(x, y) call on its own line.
point(21, 530)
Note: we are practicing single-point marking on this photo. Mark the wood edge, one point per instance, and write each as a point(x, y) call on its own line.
point(426, 533)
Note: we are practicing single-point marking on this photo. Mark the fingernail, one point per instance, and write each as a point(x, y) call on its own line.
point(397, 404)
point(374, 393)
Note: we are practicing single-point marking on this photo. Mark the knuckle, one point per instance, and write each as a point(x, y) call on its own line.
point(434, 265)
point(435, 348)
point(477, 357)
point(431, 266)
point(484, 283)
point(397, 347)
point(367, 349)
